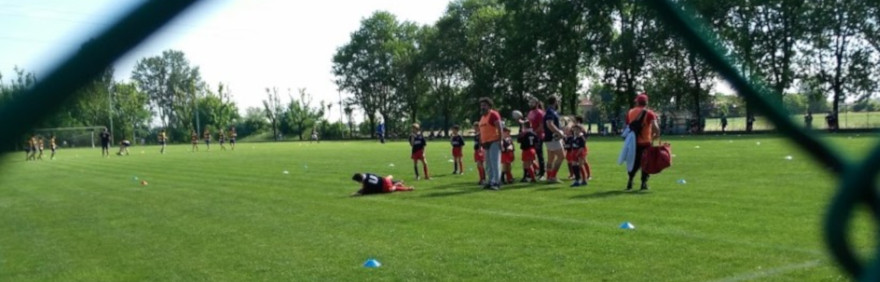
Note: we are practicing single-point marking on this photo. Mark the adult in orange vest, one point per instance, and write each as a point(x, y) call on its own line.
point(646, 131)
point(490, 138)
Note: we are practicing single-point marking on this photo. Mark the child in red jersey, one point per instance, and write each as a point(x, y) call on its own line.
point(507, 157)
point(418, 143)
point(576, 154)
point(374, 184)
point(527, 142)
point(479, 154)
point(457, 143)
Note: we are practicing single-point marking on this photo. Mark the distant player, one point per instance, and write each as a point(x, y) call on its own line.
point(163, 139)
point(123, 147)
point(314, 136)
point(418, 143)
point(508, 155)
point(221, 137)
point(27, 149)
point(566, 145)
point(577, 153)
point(194, 138)
point(374, 184)
point(479, 154)
point(105, 143)
point(528, 140)
point(52, 146)
point(457, 143)
point(232, 136)
point(586, 172)
point(207, 137)
point(40, 148)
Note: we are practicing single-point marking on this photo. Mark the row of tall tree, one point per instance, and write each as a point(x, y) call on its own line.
point(606, 50)
point(167, 92)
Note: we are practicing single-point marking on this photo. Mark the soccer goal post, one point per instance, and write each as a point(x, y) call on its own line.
point(69, 137)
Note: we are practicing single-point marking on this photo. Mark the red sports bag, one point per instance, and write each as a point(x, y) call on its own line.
point(657, 158)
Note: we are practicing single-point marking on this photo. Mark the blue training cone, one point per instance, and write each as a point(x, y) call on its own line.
point(372, 263)
point(627, 225)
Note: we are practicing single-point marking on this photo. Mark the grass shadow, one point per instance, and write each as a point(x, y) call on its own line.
point(612, 193)
point(453, 193)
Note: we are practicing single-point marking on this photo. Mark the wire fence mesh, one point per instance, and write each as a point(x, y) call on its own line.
point(856, 178)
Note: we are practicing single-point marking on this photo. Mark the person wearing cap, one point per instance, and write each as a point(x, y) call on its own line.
point(535, 119)
point(553, 136)
point(490, 138)
point(645, 132)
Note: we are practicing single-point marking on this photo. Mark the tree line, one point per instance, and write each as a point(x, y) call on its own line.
point(806, 52)
point(167, 92)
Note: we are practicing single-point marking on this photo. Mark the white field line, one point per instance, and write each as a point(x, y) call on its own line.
point(773, 271)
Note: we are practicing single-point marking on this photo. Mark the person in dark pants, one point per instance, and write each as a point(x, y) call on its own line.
point(723, 123)
point(808, 120)
point(646, 131)
point(105, 143)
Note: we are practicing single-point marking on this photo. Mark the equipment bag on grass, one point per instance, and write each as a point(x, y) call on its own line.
point(657, 158)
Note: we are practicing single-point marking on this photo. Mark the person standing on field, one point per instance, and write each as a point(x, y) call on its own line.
point(553, 136)
point(105, 143)
point(643, 123)
point(490, 138)
point(535, 119)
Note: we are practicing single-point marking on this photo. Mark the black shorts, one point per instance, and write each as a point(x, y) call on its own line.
point(161, 142)
point(105, 145)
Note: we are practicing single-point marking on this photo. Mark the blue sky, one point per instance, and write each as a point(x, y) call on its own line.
point(249, 45)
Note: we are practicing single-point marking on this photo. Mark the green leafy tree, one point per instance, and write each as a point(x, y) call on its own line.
point(364, 66)
point(839, 60)
point(130, 111)
point(253, 122)
point(273, 110)
point(301, 118)
point(217, 110)
point(172, 85)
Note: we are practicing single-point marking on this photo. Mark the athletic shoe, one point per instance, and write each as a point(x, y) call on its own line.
point(495, 187)
point(575, 184)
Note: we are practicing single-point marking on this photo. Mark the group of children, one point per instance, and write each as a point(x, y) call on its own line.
point(35, 145)
point(575, 146)
point(231, 135)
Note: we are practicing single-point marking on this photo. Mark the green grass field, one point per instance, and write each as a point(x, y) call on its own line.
point(745, 213)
